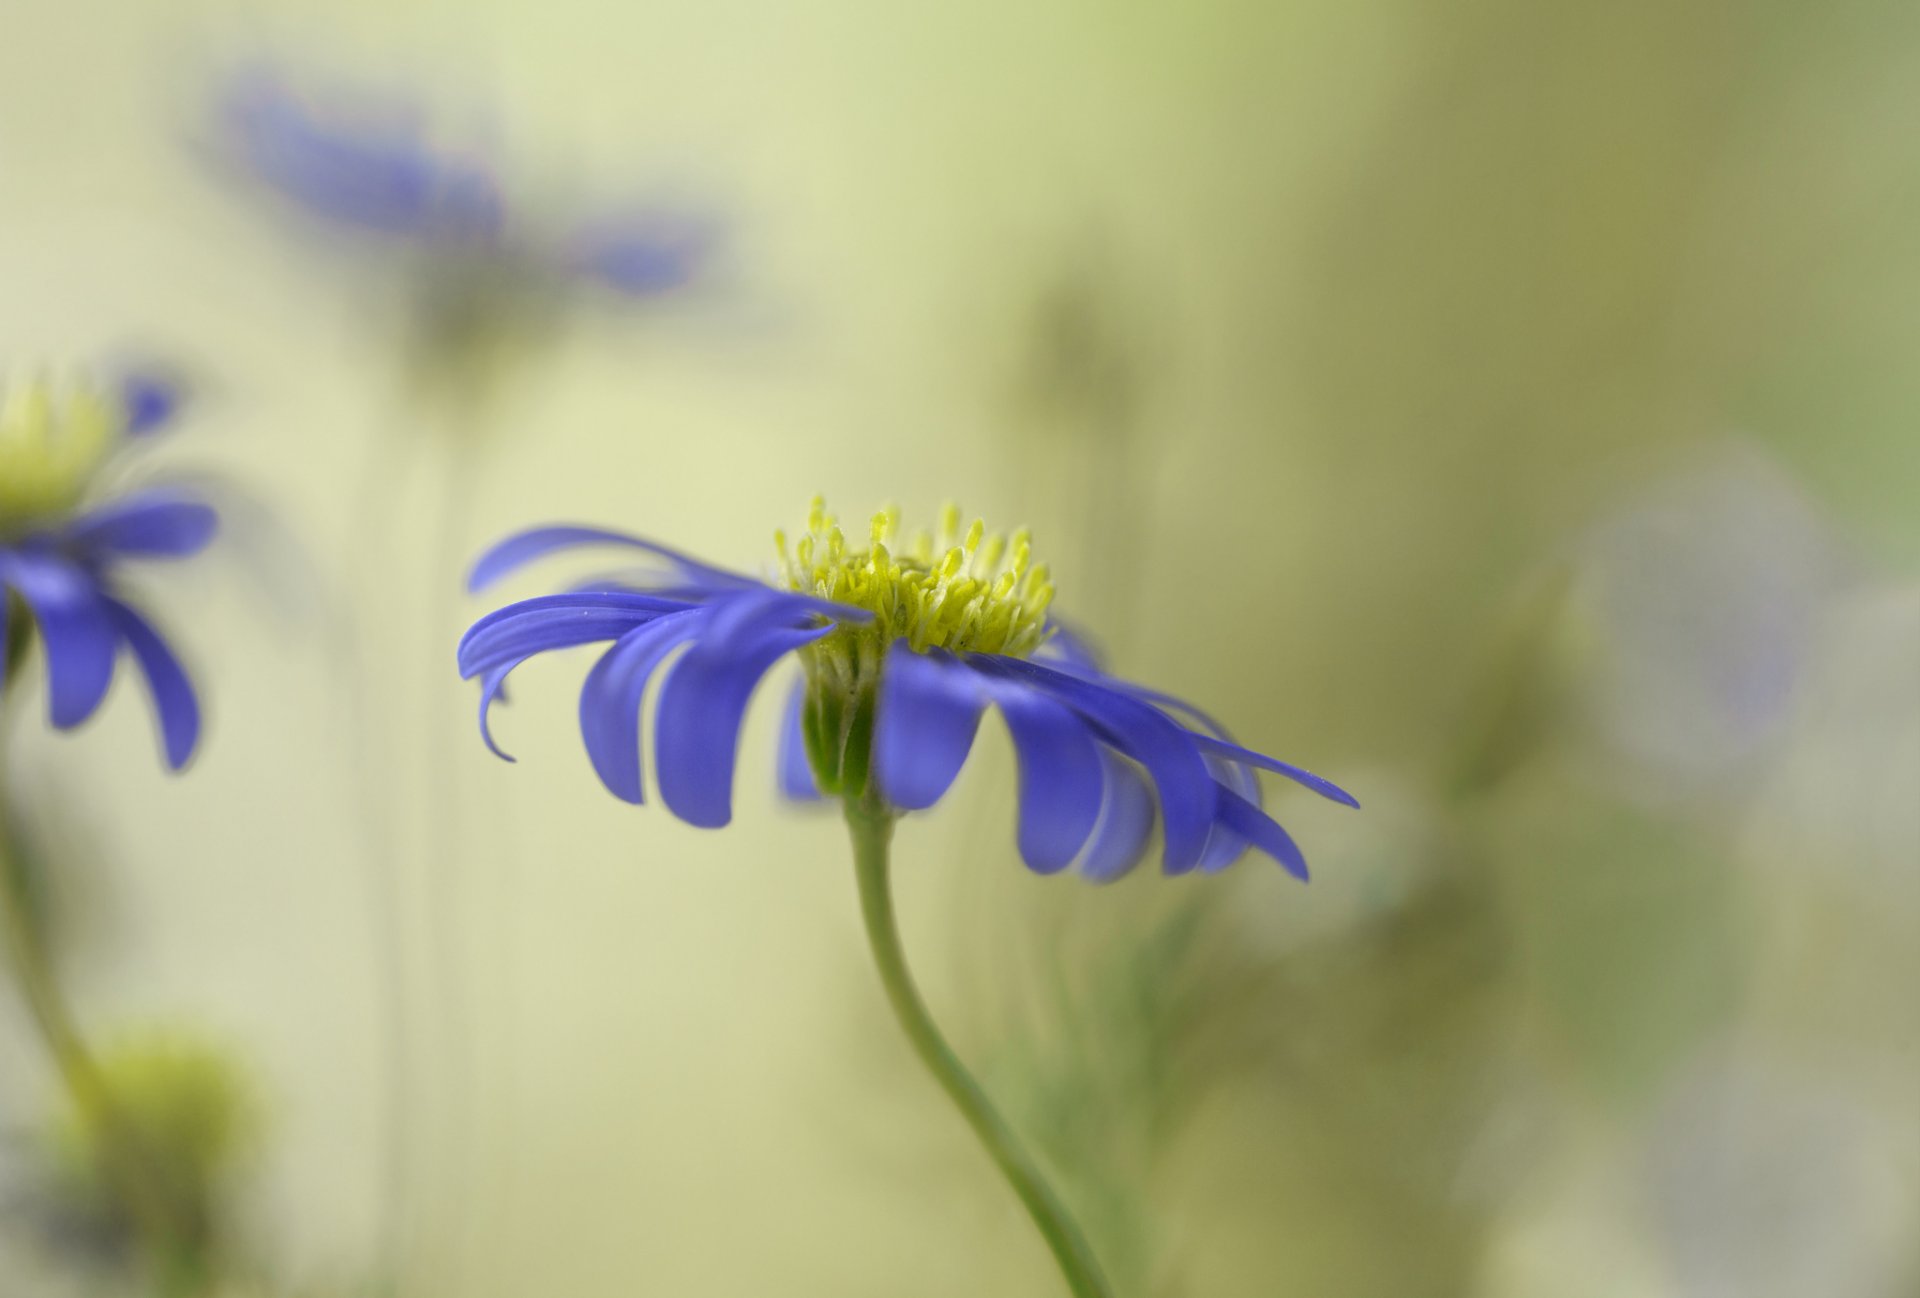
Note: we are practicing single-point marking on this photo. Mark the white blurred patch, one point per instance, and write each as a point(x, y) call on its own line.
point(1769, 1180)
point(1845, 798)
point(1700, 602)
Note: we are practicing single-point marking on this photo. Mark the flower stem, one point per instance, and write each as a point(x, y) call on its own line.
point(128, 1165)
point(872, 832)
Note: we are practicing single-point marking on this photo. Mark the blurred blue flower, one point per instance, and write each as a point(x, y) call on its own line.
point(902, 657)
point(368, 162)
point(60, 556)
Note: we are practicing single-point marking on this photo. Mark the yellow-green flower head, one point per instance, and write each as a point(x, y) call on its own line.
point(190, 1106)
point(964, 592)
point(54, 436)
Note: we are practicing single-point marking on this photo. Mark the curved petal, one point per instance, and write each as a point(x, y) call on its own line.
point(544, 607)
point(697, 729)
point(923, 729)
point(81, 639)
point(544, 629)
point(164, 524)
point(1263, 832)
point(610, 700)
point(1148, 736)
point(796, 770)
point(167, 683)
point(493, 689)
point(1061, 778)
point(1300, 775)
point(1126, 821)
point(523, 548)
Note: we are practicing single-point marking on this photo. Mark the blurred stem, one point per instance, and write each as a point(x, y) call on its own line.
point(178, 1268)
point(872, 830)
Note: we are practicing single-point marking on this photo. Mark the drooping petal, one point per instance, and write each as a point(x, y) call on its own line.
point(173, 698)
point(1061, 779)
point(1263, 832)
point(543, 608)
point(698, 723)
point(524, 547)
point(1148, 736)
point(929, 711)
point(493, 688)
point(80, 637)
point(158, 523)
point(1126, 821)
point(796, 770)
point(542, 630)
point(1300, 775)
point(497, 657)
point(611, 696)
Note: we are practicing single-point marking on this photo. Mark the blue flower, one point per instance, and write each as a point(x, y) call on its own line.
point(60, 556)
point(370, 163)
point(902, 657)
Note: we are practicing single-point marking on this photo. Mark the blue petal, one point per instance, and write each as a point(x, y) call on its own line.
point(547, 607)
point(1145, 734)
point(173, 698)
point(611, 696)
point(698, 725)
point(796, 769)
point(493, 687)
point(644, 255)
point(164, 524)
point(1126, 821)
point(1246, 756)
point(524, 547)
point(376, 172)
point(1061, 778)
point(1071, 647)
point(540, 630)
point(150, 400)
point(928, 714)
point(1263, 832)
point(80, 638)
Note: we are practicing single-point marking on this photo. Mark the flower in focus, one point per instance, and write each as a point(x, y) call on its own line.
point(902, 654)
point(60, 555)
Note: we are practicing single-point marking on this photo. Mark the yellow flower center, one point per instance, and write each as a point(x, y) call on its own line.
point(53, 439)
point(964, 592)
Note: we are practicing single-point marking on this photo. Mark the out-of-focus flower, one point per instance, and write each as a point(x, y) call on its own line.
point(1766, 1178)
point(60, 556)
point(1671, 639)
point(369, 162)
point(192, 1115)
point(902, 656)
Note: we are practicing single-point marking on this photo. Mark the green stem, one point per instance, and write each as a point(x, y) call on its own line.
point(872, 834)
point(128, 1166)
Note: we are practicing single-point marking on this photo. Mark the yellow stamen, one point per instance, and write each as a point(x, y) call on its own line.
point(969, 600)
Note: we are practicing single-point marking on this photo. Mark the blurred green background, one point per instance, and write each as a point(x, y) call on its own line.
point(1506, 409)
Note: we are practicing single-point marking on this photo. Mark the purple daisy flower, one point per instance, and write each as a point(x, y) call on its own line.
point(60, 555)
point(369, 163)
point(902, 657)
